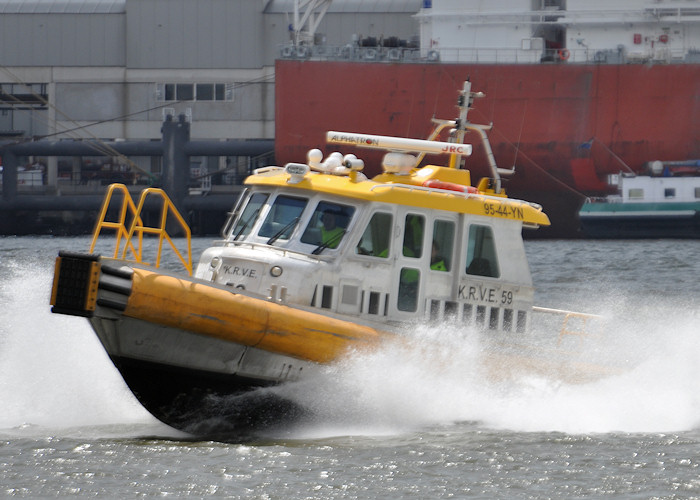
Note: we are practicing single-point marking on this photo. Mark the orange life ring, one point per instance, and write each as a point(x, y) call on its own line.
point(450, 186)
point(564, 54)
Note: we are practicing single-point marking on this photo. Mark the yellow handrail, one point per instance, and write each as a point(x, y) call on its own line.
point(137, 226)
point(168, 208)
point(127, 207)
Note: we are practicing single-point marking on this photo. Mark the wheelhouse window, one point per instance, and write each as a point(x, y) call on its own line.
point(481, 252)
point(250, 213)
point(413, 236)
point(409, 280)
point(328, 225)
point(636, 194)
point(282, 218)
point(376, 238)
point(443, 241)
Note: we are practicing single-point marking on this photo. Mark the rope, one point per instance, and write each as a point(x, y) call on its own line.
point(520, 134)
point(536, 165)
point(613, 154)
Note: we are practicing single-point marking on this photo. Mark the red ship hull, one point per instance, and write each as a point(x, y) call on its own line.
point(565, 127)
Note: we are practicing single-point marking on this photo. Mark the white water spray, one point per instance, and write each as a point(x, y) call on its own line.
point(435, 381)
point(53, 370)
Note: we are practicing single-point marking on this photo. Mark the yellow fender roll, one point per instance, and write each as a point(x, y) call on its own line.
point(207, 310)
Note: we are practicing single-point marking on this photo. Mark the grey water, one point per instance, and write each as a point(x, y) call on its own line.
point(408, 424)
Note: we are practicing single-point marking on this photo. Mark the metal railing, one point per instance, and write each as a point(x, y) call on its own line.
point(133, 212)
point(354, 52)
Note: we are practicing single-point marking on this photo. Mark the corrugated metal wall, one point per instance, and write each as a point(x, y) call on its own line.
point(175, 34)
point(194, 34)
point(66, 39)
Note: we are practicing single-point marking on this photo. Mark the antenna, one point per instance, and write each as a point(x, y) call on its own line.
point(398, 143)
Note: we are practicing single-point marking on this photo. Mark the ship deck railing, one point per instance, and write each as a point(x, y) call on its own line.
point(129, 225)
point(536, 54)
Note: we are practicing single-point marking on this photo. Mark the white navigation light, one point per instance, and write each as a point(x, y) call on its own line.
point(353, 162)
point(398, 143)
point(296, 172)
point(314, 158)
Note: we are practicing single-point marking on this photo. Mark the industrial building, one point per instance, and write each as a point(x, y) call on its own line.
point(112, 70)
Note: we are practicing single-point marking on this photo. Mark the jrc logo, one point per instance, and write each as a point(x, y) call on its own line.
point(454, 149)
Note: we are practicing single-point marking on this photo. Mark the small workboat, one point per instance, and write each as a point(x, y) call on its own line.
point(663, 201)
point(317, 262)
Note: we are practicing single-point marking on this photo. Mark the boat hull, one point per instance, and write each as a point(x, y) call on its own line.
point(641, 220)
point(196, 383)
point(196, 355)
point(204, 403)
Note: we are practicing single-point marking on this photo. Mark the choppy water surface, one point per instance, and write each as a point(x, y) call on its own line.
point(419, 423)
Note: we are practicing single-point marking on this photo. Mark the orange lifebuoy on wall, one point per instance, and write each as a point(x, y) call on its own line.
point(564, 54)
point(450, 186)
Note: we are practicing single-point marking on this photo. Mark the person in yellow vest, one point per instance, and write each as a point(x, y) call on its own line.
point(437, 262)
point(331, 234)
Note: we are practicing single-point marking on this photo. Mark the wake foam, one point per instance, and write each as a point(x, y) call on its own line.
point(435, 379)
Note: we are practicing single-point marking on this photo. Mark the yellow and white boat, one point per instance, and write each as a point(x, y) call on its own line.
point(316, 261)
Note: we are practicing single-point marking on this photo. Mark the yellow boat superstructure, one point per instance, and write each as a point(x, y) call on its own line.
point(316, 261)
point(412, 189)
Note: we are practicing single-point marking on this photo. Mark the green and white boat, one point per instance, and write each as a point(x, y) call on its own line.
point(663, 203)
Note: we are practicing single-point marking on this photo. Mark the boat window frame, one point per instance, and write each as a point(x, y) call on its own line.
point(232, 216)
point(389, 236)
point(294, 222)
point(313, 219)
point(447, 259)
point(489, 256)
point(231, 236)
point(635, 193)
point(409, 290)
point(416, 250)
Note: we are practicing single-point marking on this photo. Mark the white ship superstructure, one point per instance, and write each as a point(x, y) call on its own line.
point(585, 31)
